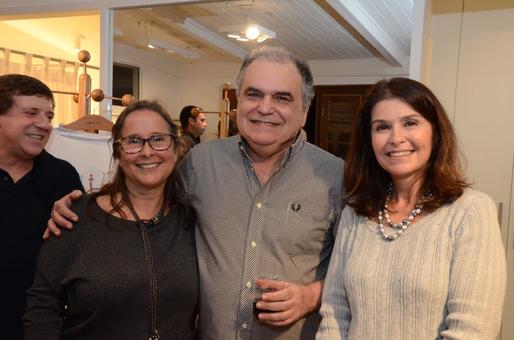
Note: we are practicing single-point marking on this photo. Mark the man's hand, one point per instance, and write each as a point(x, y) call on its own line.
point(61, 215)
point(287, 301)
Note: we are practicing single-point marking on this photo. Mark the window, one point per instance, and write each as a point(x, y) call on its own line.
point(125, 80)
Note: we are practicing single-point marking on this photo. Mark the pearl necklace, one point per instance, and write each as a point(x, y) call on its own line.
point(399, 227)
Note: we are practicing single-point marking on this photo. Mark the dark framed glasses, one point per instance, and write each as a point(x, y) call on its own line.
point(157, 141)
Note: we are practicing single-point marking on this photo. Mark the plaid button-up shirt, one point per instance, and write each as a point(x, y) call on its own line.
point(284, 229)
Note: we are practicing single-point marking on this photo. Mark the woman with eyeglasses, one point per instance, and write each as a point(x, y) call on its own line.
point(130, 270)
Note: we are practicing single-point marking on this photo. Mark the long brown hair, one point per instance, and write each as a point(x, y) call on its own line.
point(174, 191)
point(365, 180)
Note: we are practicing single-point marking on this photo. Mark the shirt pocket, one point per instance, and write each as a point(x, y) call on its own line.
point(307, 227)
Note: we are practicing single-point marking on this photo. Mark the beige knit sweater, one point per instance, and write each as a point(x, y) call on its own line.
point(444, 278)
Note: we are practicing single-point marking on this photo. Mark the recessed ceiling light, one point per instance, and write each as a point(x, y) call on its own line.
point(247, 33)
point(252, 32)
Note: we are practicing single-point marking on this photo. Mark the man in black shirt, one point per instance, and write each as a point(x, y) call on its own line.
point(193, 124)
point(30, 181)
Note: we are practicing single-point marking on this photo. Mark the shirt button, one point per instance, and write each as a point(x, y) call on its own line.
point(254, 244)
point(244, 325)
point(248, 284)
point(259, 205)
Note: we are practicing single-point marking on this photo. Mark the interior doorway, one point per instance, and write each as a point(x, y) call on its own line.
point(331, 116)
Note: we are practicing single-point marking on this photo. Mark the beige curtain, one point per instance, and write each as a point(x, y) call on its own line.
point(58, 75)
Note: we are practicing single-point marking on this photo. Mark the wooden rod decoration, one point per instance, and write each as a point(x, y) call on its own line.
point(225, 107)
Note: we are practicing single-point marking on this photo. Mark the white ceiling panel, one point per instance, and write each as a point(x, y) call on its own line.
point(314, 29)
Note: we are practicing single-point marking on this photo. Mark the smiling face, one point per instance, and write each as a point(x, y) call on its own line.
point(25, 127)
point(401, 139)
point(147, 169)
point(270, 112)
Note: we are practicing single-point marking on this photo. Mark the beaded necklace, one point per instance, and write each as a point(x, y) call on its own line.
point(401, 226)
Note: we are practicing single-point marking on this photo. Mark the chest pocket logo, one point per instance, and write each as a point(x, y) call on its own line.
point(295, 206)
point(306, 227)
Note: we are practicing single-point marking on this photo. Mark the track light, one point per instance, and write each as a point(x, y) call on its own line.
point(248, 33)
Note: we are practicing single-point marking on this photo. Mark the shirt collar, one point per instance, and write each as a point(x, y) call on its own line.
point(44, 174)
point(193, 137)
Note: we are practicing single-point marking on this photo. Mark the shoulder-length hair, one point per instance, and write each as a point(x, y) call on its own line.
point(366, 181)
point(174, 191)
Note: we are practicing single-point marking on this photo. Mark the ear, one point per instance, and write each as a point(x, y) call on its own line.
point(304, 118)
point(191, 120)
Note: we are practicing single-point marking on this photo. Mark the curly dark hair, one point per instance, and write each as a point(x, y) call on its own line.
point(366, 182)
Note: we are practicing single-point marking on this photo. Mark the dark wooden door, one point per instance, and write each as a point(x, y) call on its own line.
point(336, 106)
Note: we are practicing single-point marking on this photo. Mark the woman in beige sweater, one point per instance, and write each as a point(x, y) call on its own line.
point(418, 254)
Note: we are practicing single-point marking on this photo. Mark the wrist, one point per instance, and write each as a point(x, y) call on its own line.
point(314, 296)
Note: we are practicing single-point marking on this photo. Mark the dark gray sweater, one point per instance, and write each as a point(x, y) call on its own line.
point(100, 274)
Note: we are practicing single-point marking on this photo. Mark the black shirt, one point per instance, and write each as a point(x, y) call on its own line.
point(24, 210)
point(188, 140)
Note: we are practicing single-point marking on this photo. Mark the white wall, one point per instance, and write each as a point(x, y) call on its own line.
point(15, 39)
point(158, 75)
point(353, 72)
point(472, 72)
point(443, 66)
point(38, 36)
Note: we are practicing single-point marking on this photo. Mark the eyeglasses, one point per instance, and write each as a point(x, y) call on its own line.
point(158, 142)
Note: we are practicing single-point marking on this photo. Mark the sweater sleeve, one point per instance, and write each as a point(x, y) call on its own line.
point(477, 275)
point(45, 310)
point(335, 310)
point(46, 299)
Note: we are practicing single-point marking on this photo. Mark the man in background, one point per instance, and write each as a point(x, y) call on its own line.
point(30, 181)
point(193, 124)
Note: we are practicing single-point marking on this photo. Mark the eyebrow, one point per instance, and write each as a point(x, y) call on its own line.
point(36, 109)
point(414, 115)
point(284, 93)
point(254, 89)
point(278, 93)
point(135, 134)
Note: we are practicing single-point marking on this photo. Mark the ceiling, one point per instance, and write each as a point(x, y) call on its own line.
point(315, 29)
